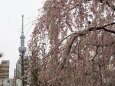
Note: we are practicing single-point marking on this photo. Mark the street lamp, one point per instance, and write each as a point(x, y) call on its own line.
point(22, 50)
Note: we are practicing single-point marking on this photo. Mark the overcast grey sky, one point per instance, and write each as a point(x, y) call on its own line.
point(10, 26)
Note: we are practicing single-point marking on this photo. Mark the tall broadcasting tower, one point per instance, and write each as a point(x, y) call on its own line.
point(22, 50)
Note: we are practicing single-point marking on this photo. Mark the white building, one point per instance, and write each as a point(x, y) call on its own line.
point(17, 71)
point(6, 82)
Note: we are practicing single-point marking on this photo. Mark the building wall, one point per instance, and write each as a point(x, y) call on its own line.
point(18, 69)
point(4, 69)
point(6, 82)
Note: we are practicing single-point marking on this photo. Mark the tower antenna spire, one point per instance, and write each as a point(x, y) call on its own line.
point(22, 24)
point(22, 37)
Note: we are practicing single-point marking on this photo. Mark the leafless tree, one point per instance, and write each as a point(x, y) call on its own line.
point(73, 43)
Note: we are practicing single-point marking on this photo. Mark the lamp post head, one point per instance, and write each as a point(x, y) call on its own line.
point(1, 55)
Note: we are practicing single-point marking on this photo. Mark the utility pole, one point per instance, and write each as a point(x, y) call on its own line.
point(22, 50)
